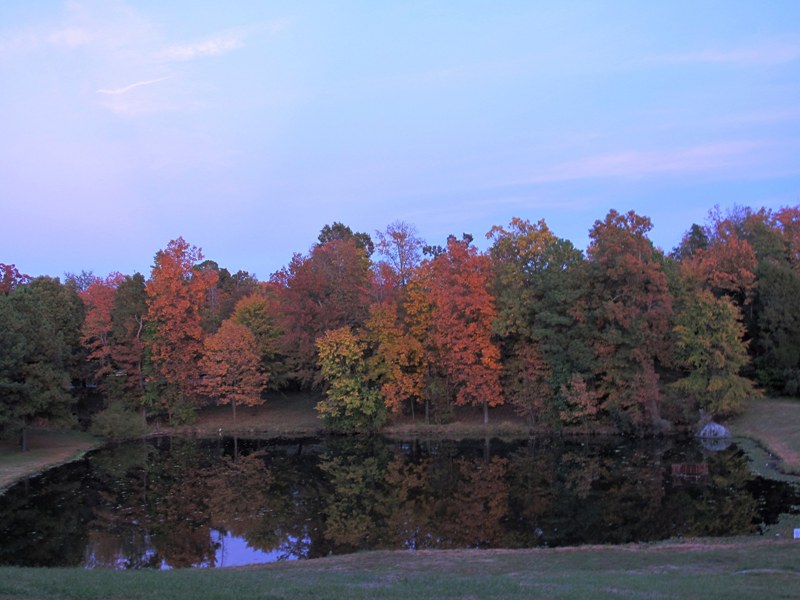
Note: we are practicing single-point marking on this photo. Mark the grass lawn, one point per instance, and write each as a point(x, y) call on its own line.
point(700, 569)
point(47, 449)
point(775, 424)
point(281, 415)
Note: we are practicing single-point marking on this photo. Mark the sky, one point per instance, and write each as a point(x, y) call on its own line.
point(246, 126)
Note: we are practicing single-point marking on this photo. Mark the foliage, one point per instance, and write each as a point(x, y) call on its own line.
point(259, 312)
point(96, 333)
point(118, 422)
point(36, 363)
point(176, 294)
point(231, 366)
point(777, 328)
point(128, 322)
point(462, 312)
point(580, 403)
point(539, 284)
point(630, 311)
point(11, 279)
point(341, 232)
point(352, 401)
point(325, 290)
point(397, 361)
point(709, 347)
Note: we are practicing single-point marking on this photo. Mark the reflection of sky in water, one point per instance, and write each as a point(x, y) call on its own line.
point(234, 551)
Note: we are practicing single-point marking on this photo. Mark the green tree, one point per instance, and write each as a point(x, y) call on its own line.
point(539, 282)
point(128, 324)
point(710, 349)
point(777, 331)
point(36, 361)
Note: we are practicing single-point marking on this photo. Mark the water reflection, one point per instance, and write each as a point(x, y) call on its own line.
point(170, 503)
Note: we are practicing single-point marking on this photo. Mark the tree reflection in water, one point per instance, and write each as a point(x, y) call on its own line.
point(184, 502)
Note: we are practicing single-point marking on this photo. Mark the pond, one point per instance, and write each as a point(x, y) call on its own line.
point(182, 502)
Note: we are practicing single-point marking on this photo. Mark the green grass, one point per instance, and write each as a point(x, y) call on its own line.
point(710, 569)
point(775, 424)
point(47, 449)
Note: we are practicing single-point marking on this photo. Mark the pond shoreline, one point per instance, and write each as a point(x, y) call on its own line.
point(294, 418)
point(48, 449)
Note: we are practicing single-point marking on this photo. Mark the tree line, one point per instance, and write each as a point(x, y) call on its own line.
point(623, 336)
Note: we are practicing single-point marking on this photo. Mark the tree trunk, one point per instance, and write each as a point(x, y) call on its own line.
point(413, 402)
point(23, 438)
point(233, 405)
point(427, 411)
point(485, 412)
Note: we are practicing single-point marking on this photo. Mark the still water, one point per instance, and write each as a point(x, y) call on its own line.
point(178, 502)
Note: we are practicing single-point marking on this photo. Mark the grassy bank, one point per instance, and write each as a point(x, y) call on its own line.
point(708, 569)
point(775, 424)
point(47, 449)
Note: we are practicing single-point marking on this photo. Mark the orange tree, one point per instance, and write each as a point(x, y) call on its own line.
point(231, 366)
point(176, 294)
point(462, 311)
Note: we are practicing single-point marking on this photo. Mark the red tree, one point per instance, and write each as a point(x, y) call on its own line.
point(96, 333)
point(327, 289)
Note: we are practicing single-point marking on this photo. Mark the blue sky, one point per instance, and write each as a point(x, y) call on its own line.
point(246, 126)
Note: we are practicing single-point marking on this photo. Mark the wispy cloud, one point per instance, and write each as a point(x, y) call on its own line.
point(35, 39)
point(216, 45)
point(634, 164)
point(767, 54)
point(127, 88)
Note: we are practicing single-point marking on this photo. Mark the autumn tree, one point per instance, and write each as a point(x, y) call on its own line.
point(96, 332)
point(231, 366)
point(724, 262)
point(710, 350)
point(352, 400)
point(11, 278)
point(223, 296)
point(461, 319)
point(176, 294)
point(397, 360)
point(630, 312)
point(259, 312)
point(328, 289)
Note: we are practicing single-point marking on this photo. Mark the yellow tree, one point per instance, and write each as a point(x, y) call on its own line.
point(231, 366)
point(352, 400)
